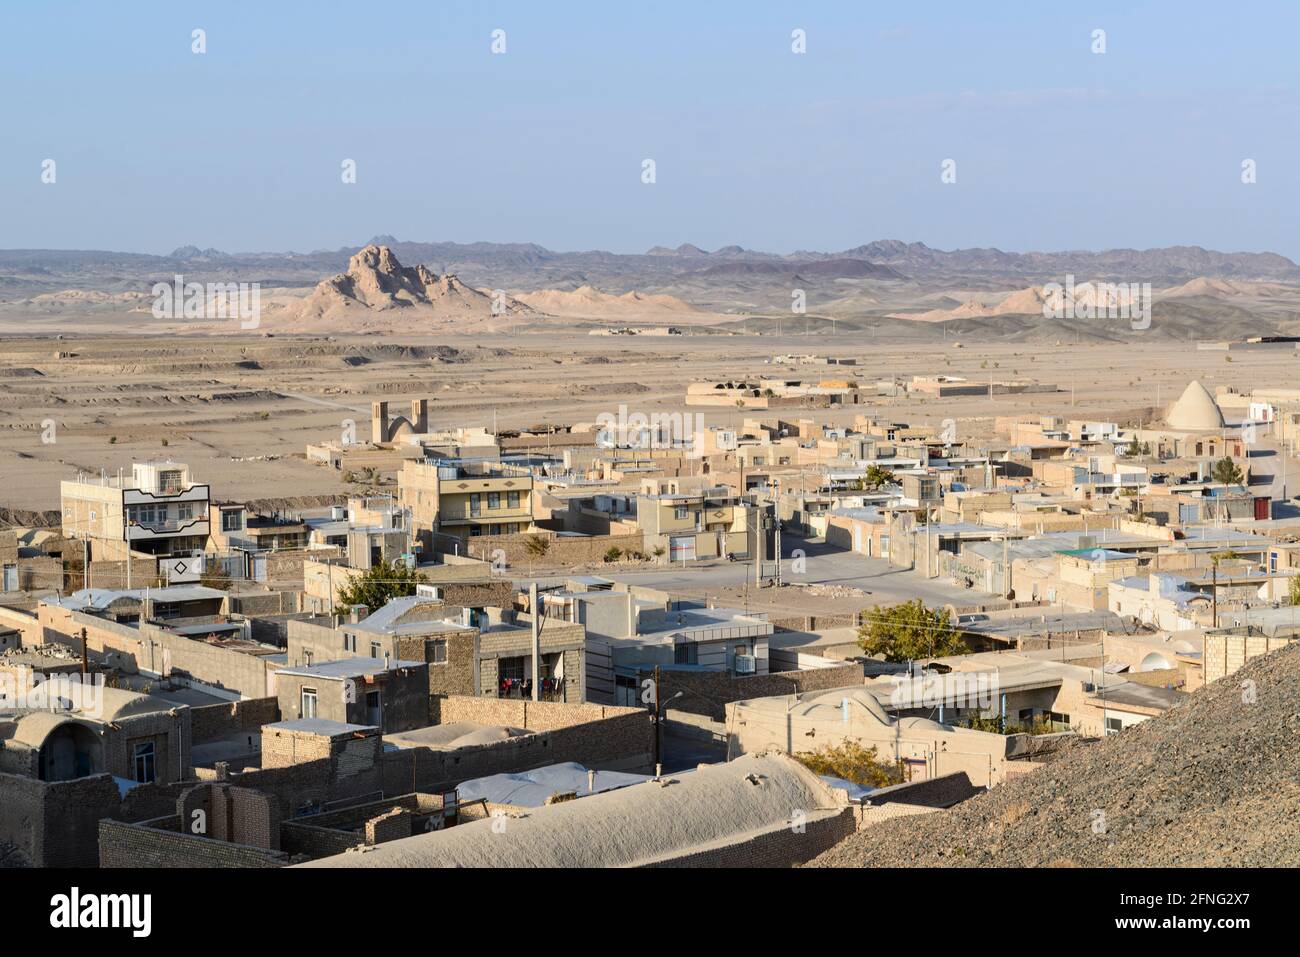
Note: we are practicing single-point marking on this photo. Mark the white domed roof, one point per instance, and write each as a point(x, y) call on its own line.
point(1195, 411)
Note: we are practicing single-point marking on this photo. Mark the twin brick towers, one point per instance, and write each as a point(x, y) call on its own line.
point(382, 429)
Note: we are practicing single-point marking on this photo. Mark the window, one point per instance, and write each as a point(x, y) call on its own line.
point(494, 499)
point(475, 503)
point(512, 499)
point(1114, 725)
point(438, 652)
point(231, 521)
point(308, 707)
point(144, 762)
point(680, 513)
point(374, 649)
point(685, 654)
point(627, 693)
point(169, 483)
point(349, 642)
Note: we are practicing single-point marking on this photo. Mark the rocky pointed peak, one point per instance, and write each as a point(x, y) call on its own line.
point(375, 258)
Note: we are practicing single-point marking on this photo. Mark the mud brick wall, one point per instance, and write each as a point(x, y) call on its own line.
point(495, 593)
point(55, 824)
point(214, 721)
point(268, 606)
point(708, 692)
point(532, 715)
point(155, 650)
point(627, 744)
point(171, 737)
point(590, 734)
point(455, 676)
point(1225, 653)
point(293, 786)
point(141, 845)
point(389, 826)
point(286, 567)
point(307, 840)
point(234, 815)
point(303, 768)
point(563, 551)
point(112, 574)
point(323, 835)
point(426, 769)
point(148, 801)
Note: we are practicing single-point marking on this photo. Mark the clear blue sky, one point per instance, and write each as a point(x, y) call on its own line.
point(1056, 147)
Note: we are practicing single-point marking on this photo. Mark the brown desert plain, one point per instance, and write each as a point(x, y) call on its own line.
point(90, 380)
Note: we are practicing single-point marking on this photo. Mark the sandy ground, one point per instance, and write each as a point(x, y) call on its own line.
point(241, 409)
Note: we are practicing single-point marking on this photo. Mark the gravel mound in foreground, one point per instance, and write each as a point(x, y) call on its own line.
point(1214, 782)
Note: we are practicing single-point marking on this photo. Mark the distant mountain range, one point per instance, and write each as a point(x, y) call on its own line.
point(528, 266)
point(883, 285)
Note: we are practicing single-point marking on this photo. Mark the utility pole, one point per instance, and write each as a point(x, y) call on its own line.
point(537, 634)
point(776, 521)
point(1006, 566)
point(1215, 591)
point(126, 529)
point(1102, 685)
point(927, 542)
point(658, 733)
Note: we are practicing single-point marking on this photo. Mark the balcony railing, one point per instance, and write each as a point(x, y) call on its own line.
point(169, 525)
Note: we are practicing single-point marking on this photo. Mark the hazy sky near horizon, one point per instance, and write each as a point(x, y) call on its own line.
point(1056, 147)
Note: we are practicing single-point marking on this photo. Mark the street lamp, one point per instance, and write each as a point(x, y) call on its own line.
point(658, 716)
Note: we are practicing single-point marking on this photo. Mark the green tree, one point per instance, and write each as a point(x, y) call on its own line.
point(536, 546)
point(877, 476)
point(850, 761)
point(378, 585)
point(909, 631)
point(1040, 724)
point(1227, 471)
point(1293, 596)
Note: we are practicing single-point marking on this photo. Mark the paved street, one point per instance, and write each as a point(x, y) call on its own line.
point(1275, 476)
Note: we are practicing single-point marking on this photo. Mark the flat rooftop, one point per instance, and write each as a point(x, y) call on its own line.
point(348, 668)
point(453, 735)
point(322, 726)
